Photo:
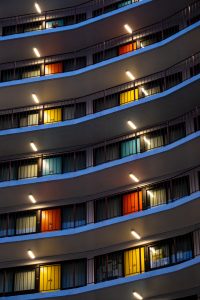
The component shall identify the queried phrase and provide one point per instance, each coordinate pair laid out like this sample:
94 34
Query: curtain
74 274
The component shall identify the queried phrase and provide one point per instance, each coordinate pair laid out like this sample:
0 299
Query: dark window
108 208
177 132
180 187
106 153
73 274
108 266
73 215
106 102
182 249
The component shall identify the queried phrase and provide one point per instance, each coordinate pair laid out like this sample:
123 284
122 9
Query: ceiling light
37 7
35 98
33 146
133 177
130 75
135 234
32 198
147 140
137 296
36 51
31 254
131 124
128 28
144 91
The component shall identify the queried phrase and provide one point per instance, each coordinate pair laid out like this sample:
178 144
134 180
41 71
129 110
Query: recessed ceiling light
137 296
31 254
35 98
135 234
144 92
130 75
133 177
147 140
32 198
131 124
37 7
128 28
33 146
36 51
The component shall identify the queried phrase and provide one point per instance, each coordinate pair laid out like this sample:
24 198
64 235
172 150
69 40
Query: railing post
90 212
90 271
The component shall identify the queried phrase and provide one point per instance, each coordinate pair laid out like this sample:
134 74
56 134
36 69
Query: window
7 225
26 223
54 23
129 96
154 139
182 249
51 166
106 102
52 115
74 161
130 147
106 153
73 216
50 276
107 208
177 132
74 111
159 255
132 202
108 266
157 195
180 187
51 219
134 262
53 68
27 169
24 281
29 119
127 48
74 274
6 281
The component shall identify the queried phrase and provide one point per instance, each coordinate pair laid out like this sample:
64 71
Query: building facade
99 149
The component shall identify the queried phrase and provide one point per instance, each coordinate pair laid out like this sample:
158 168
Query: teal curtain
130 147
52 165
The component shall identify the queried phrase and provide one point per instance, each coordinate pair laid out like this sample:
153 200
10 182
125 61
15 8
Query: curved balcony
53 86
88 119
149 147
103 222
118 269
134 14
78 59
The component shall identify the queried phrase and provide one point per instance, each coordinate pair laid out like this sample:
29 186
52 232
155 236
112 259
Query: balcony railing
133 91
48 164
82 272
67 62
60 17
93 211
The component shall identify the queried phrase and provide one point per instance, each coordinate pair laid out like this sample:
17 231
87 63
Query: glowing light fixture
147 140
128 28
135 234
133 177
35 98
32 198
37 7
33 146
130 75
31 254
137 296
36 51
131 124
144 92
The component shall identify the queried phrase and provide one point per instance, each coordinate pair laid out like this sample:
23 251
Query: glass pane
159 256
52 165
25 224
24 281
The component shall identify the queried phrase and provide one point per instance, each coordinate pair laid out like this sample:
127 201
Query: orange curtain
127 48
51 220
53 68
132 202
